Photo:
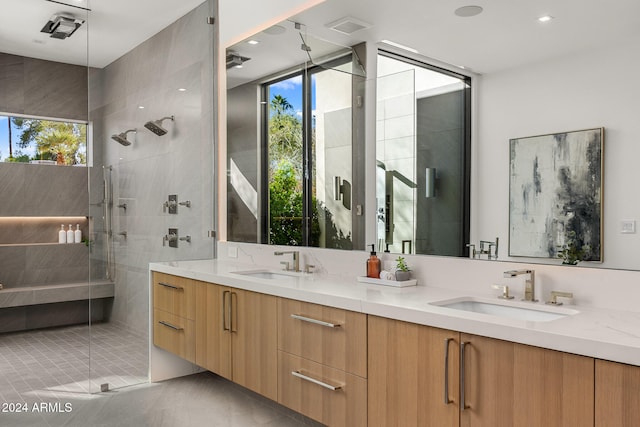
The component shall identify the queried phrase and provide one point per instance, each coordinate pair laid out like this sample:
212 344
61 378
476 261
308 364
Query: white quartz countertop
600 333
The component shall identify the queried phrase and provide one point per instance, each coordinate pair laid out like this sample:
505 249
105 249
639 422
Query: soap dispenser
70 236
62 235
373 264
77 235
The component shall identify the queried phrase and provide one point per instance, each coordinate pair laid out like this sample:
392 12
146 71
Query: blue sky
291 89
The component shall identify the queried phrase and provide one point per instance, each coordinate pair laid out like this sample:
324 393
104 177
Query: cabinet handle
463 403
225 312
169 325
446 370
315 381
233 311
315 321
166 285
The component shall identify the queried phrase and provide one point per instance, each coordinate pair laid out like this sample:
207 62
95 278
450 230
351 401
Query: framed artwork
555 195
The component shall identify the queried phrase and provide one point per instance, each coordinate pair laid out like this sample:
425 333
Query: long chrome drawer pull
315 381
463 400
169 325
446 370
166 285
316 321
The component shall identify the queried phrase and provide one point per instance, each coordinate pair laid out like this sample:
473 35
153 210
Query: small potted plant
402 270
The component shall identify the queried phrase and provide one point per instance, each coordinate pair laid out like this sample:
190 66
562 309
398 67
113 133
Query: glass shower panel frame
395 162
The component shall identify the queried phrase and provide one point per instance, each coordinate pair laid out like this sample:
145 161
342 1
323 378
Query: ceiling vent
61 27
235 60
348 25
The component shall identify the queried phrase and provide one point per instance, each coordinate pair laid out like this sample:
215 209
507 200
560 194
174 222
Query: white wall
587 90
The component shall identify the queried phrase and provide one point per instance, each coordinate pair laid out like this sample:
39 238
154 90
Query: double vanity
353 354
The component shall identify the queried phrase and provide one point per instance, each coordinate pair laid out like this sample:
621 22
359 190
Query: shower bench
35 307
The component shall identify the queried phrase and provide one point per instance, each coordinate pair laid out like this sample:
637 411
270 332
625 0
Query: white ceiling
506 34
115 27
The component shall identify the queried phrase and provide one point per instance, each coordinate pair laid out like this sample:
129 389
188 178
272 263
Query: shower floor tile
74 359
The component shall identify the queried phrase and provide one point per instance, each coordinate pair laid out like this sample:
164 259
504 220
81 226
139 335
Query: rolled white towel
387 275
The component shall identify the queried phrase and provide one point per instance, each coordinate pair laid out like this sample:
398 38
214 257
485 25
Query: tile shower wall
153 167
37 87
32 193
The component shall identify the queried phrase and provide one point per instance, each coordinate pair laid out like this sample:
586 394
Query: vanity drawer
174 295
306 387
174 334
330 336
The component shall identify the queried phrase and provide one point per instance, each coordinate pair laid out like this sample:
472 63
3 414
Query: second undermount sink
268 274
507 309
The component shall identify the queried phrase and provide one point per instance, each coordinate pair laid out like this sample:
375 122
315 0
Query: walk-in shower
155 126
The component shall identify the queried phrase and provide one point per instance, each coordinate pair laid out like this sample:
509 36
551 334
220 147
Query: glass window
32 140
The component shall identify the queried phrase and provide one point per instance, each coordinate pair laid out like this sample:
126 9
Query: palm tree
280 105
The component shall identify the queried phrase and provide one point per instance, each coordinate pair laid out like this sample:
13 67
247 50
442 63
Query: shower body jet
155 126
122 137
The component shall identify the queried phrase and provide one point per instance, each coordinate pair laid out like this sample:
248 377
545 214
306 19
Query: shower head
122 137
155 126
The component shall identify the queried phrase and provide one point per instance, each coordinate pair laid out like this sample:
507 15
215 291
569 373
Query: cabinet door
508 384
213 343
617 395
254 342
407 377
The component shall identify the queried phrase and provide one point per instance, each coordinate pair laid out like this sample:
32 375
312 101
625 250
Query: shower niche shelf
38 231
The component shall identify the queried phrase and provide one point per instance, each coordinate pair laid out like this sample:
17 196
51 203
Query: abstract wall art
555 194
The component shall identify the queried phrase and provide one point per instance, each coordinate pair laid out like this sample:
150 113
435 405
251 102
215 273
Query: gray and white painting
556 191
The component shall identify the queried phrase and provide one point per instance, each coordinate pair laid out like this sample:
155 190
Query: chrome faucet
529 284
296 260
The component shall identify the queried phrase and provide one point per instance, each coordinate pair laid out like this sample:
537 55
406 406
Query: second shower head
155 126
122 137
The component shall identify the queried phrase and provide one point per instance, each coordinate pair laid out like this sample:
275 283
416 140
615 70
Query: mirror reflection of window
307 159
422 154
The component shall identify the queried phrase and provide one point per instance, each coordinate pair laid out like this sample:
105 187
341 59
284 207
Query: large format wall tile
36 87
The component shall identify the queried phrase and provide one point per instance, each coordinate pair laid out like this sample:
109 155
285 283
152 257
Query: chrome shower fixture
155 126
122 137
61 27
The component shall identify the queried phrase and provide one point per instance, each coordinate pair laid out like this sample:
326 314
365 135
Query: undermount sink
267 274
507 309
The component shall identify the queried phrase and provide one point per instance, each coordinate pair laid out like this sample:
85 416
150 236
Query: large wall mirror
527 77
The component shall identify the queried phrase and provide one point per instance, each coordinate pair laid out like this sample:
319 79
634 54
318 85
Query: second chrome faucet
529 284
296 260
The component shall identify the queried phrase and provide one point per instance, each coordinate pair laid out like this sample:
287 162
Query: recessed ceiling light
468 11
254 42
141 107
545 18
401 46
182 89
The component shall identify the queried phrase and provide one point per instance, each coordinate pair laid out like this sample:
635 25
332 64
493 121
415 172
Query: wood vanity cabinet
237 337
174 315
501 383
617 394
322 362
407 376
